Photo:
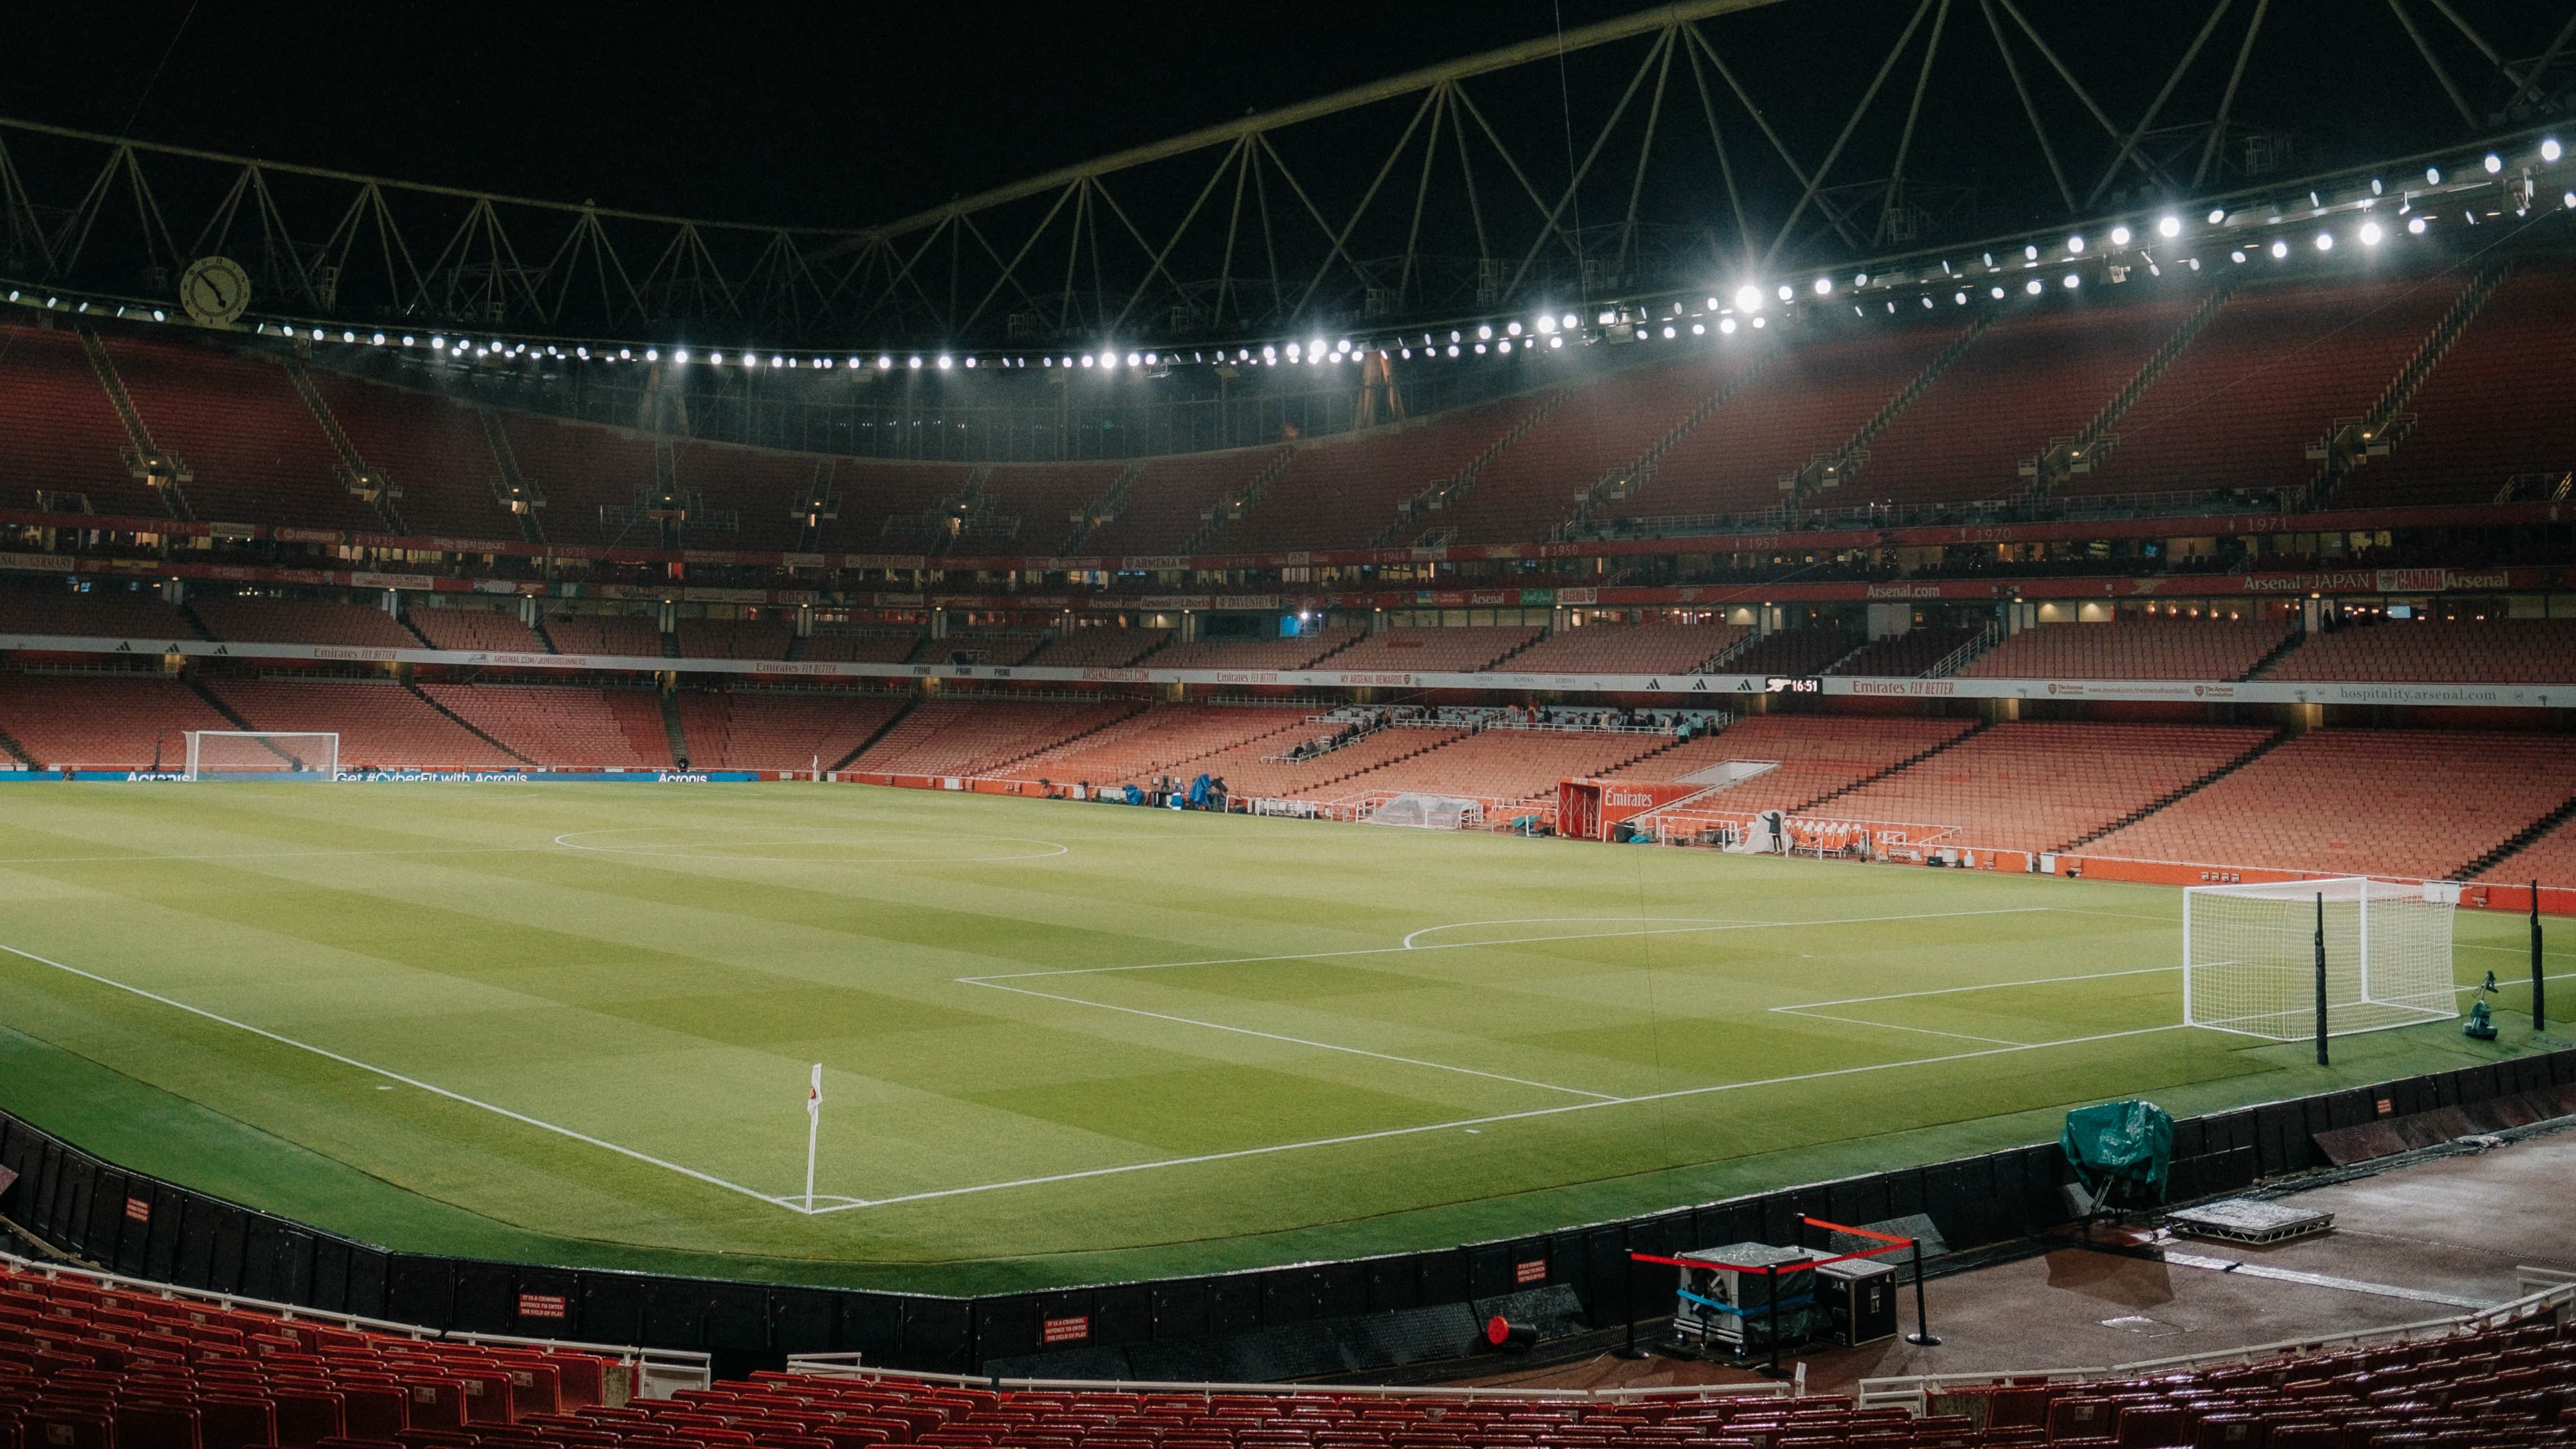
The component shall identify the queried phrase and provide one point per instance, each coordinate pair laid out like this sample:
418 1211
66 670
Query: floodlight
1824 286
1131 359
1998 293
2075 246
1699 329
1503 346
915 363
680 356
1960 298
1453 349
946 363
2280 249
2494 163
1485 332
654 354
1568 322
1712 304
1668 332
2031 286
1761 321
2237 256
1726 325
2217 214
2030 253
2072 281
2378 187
1559 341
2370 233
1787 291
2119 236
1748 298
2432 175
2325 241
2169 227
1514 329
2549 148
1547 324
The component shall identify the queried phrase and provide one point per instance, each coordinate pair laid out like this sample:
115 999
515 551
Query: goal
262 755
2250 956
1428 812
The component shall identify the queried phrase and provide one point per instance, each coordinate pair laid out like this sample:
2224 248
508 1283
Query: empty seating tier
1435 651
981 737
99 722
484 629
736 638
256 452
60 432
1506 764
2027 380
108 610
564 727
2463 651
1813 756
2127 649
1906 654
630 635
1167 739
1792 652
381 724
2268 374
740 730
1530 487
1342 492
433 448
297 621
1302 651
1628 649
862 646
2043 786
2491 420
2422 804
1098 648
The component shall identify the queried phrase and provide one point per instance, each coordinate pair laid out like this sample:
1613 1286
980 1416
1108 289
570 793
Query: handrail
1914 1391
682 1368
848 1366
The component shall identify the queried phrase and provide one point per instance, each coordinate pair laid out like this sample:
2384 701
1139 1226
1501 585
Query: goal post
263 755
2250 956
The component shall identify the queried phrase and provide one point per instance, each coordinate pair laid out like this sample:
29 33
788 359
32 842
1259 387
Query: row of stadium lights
1548 331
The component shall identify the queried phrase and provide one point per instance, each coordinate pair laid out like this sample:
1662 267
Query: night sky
850 114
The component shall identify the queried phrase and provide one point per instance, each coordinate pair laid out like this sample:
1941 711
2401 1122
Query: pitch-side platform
2249 1220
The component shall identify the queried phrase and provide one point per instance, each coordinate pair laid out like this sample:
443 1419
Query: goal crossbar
263 754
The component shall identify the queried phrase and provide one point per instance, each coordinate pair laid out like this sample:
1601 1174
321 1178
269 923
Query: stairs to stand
162 472
1908 762
2193 788
467 725
671 726
2505 849
373 488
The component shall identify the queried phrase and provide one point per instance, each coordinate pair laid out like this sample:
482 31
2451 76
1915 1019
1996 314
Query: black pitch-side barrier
1273 1323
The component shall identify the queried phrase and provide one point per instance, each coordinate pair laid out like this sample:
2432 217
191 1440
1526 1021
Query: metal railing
2549 1292
848 1366
665 1370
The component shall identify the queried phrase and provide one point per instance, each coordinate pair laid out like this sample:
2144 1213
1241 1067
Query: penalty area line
392 1076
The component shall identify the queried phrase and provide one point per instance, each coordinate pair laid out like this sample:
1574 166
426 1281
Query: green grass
1576 1031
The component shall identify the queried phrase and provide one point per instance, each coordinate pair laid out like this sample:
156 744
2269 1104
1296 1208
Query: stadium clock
215 291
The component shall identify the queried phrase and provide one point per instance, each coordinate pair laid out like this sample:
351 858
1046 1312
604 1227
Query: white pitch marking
1892 1026
1488 1121
1987 986
272 854
394 1076
1693 921
1295 1040
1507 941
568 841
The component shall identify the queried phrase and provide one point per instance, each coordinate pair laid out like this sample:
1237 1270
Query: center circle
808 844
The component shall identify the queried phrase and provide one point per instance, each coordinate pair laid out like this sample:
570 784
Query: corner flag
813 1129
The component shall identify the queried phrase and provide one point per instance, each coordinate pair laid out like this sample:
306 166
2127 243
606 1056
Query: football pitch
1060 1043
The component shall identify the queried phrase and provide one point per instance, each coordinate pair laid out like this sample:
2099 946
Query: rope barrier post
1771 1278
1922 1336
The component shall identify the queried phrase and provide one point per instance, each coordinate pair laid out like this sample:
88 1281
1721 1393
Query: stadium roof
1685 147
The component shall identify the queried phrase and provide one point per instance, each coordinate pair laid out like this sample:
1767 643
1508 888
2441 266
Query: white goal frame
270 755
2249 956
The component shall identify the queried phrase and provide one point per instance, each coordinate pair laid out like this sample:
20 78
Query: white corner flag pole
813 1129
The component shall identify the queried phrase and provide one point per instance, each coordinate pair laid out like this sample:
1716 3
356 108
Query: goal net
1429 812
2250 956
262 755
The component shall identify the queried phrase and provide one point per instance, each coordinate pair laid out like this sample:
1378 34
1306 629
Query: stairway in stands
2066 457
1233 509
164 473
880 732
2289 645
375 489
1907 763
465 724
2504 849
679 735
1102 508
1410 511
513 492
1628 482
2355 441
2194 787
997 766
1830 470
